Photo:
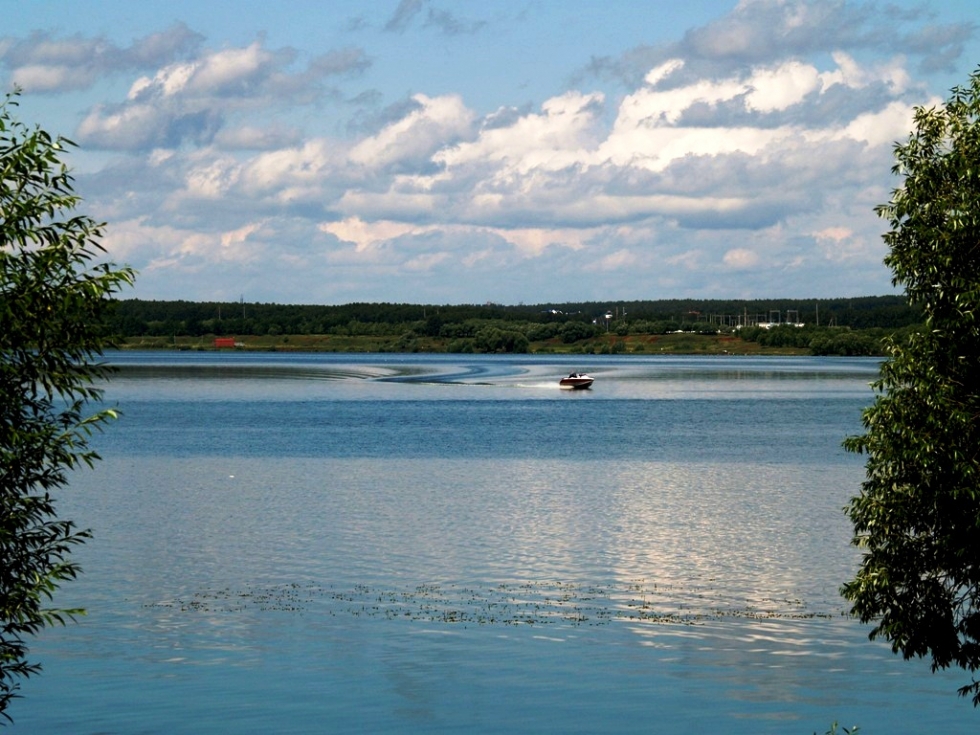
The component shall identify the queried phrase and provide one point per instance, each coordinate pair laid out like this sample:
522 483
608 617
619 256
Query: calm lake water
403 544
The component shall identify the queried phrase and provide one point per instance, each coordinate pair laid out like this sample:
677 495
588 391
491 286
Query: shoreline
610 344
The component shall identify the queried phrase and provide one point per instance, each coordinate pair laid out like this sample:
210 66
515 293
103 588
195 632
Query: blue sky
517 151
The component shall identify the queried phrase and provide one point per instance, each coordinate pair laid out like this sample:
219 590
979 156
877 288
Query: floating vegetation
520 603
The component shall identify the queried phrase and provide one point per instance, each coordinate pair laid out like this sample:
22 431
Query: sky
514 151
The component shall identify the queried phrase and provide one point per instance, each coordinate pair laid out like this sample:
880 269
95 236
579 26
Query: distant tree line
833 326
842 341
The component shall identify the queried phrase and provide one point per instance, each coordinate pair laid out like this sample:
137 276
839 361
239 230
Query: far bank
668 344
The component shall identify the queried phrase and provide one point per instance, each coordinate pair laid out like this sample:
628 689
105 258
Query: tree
917 517
55 293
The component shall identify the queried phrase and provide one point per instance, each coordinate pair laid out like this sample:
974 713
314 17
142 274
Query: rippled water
326 543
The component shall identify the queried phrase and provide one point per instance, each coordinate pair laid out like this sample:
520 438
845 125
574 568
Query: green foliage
575 331
844 342
918 514
839 341
492 339
784 335
137 318
53 307
542 332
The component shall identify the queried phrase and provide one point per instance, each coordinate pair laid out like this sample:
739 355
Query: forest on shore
842 326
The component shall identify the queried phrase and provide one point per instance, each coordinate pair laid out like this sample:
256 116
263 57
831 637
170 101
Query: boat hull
578 382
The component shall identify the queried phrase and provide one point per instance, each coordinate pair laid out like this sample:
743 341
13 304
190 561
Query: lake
333 543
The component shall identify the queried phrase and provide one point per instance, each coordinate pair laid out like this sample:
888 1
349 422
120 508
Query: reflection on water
354 377
273 551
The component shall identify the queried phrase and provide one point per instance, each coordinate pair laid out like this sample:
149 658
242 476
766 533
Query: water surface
392 543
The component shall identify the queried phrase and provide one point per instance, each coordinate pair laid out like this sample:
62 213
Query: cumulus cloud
739 258
190 100
552 139
756 32
670 152
746 155
141 126
227 72
413 140
559 182
43 63
838 244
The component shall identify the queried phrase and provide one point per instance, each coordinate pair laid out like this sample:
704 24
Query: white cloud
229 69
741 258
134 126
302 166
212 180
37 77
534 241
527 242
216 73
424 262
240 235
167 82
193 100
559 170
781 87
553 139
663 71
365 235
43 63
618 261
438 121
754 145
838 244
880 127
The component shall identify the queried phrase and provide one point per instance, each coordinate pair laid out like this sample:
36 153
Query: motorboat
576 381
